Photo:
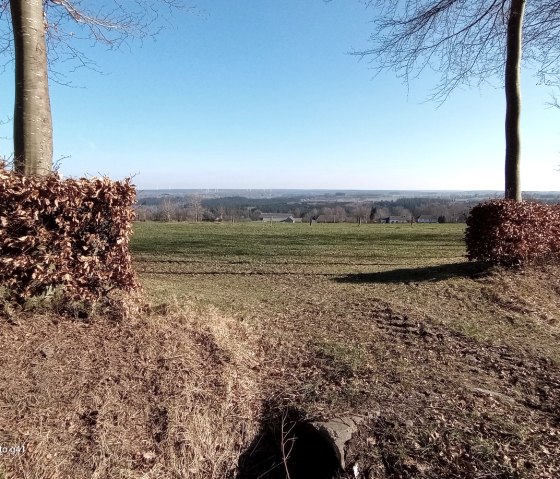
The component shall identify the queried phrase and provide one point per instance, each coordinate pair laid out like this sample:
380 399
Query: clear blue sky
261 94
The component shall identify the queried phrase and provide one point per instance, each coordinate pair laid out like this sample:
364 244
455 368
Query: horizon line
434 190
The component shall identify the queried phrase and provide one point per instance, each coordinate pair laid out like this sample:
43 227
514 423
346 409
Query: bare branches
6 36
464 40
287 442
554 102
470 41
74 25
110 24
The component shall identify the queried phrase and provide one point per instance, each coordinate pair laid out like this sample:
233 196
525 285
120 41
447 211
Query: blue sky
262 94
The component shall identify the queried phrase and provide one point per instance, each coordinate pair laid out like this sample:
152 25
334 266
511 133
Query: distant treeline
325 210
268 205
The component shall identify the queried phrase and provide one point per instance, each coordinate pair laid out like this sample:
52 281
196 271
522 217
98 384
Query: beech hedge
58 232
511 233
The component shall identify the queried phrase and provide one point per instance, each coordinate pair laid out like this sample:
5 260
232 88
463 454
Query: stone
337 432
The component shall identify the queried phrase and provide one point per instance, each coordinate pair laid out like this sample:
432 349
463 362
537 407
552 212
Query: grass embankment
456 368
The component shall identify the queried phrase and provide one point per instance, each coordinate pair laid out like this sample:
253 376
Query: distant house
279 218
427 219
395 219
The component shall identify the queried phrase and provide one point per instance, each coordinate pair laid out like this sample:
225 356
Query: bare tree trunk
33 146
513 99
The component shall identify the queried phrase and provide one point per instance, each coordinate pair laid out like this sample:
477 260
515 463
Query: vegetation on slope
455 367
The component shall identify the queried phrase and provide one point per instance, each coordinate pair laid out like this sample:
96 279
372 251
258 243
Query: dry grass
455 368
172 391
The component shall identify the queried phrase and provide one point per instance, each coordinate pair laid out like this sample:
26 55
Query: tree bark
513 99
33 145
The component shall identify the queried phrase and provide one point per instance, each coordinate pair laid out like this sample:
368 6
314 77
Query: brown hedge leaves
72 233
507 232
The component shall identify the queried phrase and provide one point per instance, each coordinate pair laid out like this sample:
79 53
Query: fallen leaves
65 232
511 233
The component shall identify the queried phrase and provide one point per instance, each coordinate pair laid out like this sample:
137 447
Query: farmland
210 262
254 268
387 320
241 331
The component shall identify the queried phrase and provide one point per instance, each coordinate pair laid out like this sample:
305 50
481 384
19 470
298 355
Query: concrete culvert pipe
290 447
311 454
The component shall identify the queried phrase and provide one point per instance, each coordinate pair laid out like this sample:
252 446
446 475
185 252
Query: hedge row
65 232
508 232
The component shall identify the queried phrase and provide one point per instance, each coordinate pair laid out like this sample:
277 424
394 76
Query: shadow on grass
285 448
231 273
419 275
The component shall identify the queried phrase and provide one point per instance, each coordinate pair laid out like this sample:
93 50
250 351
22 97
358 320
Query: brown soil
465 409
455 371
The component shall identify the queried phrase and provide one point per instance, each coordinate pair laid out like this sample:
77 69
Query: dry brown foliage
65 232
508 232
171 392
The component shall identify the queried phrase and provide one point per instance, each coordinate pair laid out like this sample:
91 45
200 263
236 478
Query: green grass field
241 267
231 264
242 329
301 243
361 318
